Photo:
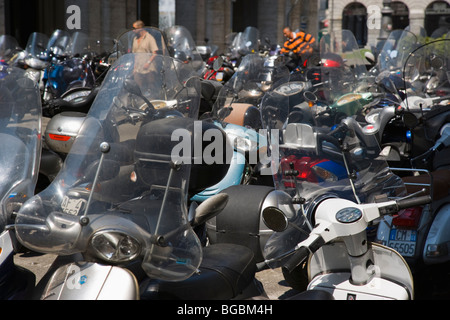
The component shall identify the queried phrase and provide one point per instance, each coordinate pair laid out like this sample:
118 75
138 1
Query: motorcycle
321 225
21 146
119 208
425 119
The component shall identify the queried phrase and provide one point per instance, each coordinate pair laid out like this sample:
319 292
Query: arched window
354 18
400 15
437 18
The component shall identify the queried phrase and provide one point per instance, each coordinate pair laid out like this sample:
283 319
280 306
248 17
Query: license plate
72 206
403 241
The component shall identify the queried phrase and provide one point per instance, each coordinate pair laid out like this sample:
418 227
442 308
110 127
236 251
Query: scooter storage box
62 130
241 220
154 146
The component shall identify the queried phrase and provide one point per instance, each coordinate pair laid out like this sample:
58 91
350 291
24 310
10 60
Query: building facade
211 20
371 20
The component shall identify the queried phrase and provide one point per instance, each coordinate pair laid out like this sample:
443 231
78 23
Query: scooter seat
226 270
441 183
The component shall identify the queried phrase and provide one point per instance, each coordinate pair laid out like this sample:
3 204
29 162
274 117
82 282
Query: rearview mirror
275 219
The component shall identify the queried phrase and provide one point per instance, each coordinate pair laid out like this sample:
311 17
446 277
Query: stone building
206 19
212 20
371 19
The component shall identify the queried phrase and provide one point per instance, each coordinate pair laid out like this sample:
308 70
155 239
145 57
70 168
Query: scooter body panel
340 286
91 281
233 178
329 269
439 236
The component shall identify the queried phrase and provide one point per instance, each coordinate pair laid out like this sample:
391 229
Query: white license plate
403 241
72 206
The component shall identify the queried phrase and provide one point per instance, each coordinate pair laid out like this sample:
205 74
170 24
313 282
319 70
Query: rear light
59 137
330 63
408 218
309 169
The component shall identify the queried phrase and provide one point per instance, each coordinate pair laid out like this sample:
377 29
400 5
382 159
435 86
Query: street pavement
273 281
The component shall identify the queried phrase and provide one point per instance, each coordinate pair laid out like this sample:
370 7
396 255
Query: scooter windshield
394 48
20 133
121 195
8 48
36 55
180 40
246 42
82 45
147 39
325 157
426 71
248 84
58 44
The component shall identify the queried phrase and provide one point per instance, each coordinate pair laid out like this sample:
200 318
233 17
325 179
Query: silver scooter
117 215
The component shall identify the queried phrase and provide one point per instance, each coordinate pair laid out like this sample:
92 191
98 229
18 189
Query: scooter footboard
91 281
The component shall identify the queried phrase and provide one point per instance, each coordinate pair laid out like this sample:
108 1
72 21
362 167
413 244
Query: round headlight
115 246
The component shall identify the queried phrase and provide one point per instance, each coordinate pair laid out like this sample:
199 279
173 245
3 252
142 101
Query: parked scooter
68 113
325 223
419 234
317 168
34 58
67 69
121 201
20 154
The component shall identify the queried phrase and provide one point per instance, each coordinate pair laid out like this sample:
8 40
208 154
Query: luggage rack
417 172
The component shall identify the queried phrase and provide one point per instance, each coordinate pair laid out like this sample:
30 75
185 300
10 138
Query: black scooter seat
226 270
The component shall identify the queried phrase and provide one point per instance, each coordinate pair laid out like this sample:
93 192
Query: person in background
299 45
143 42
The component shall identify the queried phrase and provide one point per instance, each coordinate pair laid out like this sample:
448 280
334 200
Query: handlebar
413 202
333 229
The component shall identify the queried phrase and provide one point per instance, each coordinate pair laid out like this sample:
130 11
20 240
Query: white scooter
342 263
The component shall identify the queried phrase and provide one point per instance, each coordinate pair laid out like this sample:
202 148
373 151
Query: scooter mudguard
437 245
232 178
91 281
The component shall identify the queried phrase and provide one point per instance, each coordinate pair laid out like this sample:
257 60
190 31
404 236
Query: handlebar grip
297 258
413 202
303 253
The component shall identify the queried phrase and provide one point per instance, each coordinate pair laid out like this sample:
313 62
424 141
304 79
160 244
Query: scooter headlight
115 246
